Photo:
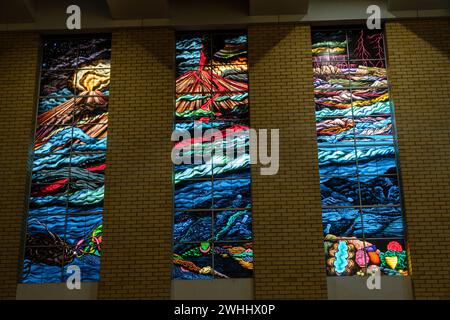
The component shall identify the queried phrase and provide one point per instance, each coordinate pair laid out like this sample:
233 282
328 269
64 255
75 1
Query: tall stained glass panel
65 207
212 232
362 213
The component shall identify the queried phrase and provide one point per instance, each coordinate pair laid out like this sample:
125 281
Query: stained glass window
362 214
64 217
212 232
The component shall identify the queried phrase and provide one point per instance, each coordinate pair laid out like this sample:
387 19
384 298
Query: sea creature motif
374 257
391 261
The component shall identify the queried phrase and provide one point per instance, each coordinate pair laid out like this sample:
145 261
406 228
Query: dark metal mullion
363 206
349 87
69 167
356 151
214 209
70 161
330 146
208 179
385 239
363 175
212 242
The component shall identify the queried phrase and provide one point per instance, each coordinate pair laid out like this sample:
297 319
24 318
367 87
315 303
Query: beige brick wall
419 72
287 222
136 261
18 73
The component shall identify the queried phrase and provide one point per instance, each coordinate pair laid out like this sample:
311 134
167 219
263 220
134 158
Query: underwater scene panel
362 215
65 207
212 229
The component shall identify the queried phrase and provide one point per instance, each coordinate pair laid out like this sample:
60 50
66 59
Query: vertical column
419 68
18 67
138 196
287 222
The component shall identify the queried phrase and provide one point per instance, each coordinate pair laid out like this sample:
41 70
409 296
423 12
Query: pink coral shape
361 258
394 246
